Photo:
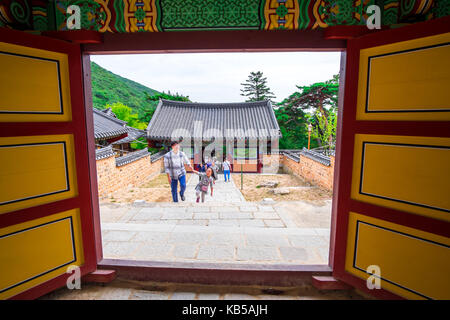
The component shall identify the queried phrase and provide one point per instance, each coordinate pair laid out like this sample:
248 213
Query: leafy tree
168 96
255 88
125 113
316 104
325 130
293 128
147 114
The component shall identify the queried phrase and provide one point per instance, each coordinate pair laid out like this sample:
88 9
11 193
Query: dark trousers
174 187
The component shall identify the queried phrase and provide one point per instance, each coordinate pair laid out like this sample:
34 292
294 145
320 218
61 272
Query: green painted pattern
40 22
303 19
441 8
119 23
390 15
210 14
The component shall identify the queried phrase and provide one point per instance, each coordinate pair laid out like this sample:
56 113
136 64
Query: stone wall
111 177
311 170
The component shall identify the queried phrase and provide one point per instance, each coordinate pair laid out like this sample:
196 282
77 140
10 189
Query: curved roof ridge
216 104
109 117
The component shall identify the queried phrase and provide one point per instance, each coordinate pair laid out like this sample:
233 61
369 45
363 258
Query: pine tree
255 88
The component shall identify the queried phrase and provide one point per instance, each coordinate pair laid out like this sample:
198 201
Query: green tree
255 88
125 113
325 130
293 128
168 96
146 115
316 104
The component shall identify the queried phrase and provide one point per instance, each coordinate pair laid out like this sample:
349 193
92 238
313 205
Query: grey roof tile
131 157
106 127
104 153
133 134
156 156
231 120
316 156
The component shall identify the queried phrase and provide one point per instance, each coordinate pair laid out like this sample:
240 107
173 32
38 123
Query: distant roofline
217 104
103 114
244 108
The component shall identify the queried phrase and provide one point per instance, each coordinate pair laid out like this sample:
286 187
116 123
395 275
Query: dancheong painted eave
240 120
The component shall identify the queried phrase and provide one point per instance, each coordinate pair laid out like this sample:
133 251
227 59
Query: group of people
174 164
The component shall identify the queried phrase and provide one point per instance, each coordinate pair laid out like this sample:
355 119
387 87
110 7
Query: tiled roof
106 127
234 120
104 153
109 112
133 134
316 156
292 154
132 156
156 156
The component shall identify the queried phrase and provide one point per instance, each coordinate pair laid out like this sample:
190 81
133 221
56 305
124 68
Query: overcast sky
216 77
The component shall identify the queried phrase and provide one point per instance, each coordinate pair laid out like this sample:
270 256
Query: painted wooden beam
76 36
214 41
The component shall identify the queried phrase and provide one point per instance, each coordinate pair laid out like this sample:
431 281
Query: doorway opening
275 209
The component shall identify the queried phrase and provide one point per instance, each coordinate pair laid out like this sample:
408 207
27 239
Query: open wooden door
392 184
46 216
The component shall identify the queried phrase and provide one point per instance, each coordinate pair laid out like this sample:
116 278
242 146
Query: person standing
226 169
174 162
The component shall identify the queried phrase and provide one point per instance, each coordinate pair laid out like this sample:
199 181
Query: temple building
249 130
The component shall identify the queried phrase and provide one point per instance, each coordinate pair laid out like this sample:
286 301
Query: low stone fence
133 169
313 167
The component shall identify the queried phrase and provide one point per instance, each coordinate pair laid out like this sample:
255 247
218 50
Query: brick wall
111 178
311 170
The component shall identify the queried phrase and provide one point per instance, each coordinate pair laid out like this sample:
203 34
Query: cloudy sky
216 77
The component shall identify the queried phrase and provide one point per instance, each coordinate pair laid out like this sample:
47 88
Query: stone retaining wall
311 170
111 177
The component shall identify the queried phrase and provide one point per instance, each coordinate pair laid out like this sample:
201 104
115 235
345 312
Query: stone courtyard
225 229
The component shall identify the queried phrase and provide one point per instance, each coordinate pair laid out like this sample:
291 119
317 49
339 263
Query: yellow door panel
413 264
404 173
34 85
39 250
36 170
406 80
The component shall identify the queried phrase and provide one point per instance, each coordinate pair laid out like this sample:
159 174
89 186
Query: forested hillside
109 88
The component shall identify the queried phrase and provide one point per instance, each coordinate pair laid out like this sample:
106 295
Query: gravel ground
305 191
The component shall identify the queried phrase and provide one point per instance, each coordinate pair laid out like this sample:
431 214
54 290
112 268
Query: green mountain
108 88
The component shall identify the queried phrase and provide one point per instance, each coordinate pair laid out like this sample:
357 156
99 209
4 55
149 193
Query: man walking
174 162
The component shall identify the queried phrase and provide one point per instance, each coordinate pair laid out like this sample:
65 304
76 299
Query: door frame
205 42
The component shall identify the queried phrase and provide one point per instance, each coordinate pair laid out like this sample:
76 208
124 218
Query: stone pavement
225 229
223 191
123 290
211 232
